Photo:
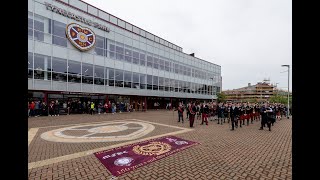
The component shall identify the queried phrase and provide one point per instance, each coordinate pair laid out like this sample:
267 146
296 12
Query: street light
288 66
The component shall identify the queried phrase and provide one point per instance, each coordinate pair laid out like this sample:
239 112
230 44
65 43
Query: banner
130 157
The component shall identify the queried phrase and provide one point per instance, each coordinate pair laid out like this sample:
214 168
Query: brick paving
246 153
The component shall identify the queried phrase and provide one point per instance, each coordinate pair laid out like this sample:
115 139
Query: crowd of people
238 114
38 108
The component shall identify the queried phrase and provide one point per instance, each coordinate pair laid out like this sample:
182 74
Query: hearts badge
81 37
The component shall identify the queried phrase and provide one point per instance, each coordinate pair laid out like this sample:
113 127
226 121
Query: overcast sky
250 39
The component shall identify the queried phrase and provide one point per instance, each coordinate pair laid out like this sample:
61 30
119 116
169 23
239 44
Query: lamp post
288 66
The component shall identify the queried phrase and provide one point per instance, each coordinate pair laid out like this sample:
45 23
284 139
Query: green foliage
221 97
279 99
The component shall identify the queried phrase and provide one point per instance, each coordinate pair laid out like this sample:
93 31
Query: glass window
74 67
87 79
120 52
128 55
127 79
167 68
155 82
161 83
142 81
156 62
99 71
176 86
59 65
127 76
30 65
42 62
98 75
176 68
99 42
161 64
98 51
142 59
111 77
135 80
58 28
166 84
149 82
59 41
87 69
74 71
118 78
172 81
149 60
135 57
44 75
39 23
135 77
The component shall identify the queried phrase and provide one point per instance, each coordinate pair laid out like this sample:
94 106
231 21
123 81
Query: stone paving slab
246 153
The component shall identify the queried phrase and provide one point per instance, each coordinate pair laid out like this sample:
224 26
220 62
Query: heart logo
81 37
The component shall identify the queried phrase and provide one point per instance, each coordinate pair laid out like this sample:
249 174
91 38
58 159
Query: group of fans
239 114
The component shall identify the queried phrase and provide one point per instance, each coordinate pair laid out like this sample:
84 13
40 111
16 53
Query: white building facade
125 60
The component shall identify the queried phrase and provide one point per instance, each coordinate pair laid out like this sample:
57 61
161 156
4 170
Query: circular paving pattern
103 132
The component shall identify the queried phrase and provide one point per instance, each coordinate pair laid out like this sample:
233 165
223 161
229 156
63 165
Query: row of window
57 69
116 50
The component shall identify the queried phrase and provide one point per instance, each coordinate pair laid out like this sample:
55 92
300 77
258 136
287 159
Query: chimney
192 54
249 84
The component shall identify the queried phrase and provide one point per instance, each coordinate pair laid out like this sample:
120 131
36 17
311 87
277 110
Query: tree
221 97
278 99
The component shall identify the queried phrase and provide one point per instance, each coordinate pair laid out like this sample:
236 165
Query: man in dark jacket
205 112
180 112
234 111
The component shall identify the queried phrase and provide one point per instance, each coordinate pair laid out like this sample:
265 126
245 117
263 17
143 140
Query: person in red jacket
32 106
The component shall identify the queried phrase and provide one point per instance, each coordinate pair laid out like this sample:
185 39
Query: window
128 55
87 69
74 71
149 82
118 78
135 80
167 67
172 84
120 52
161 83
127 79
149 61
143 81
30 25
155 62
142 59
42 67
176 68
166 84
155 83
98 75
161 64
87 73
59 31
111 77
59 69
135 57
112 49
99 45
39 27
176 86
30 65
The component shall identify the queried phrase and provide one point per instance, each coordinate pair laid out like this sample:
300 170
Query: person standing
91 108
56 108
233 115
180 112
192 109
100 108
51 108
205 112
264 117
37 108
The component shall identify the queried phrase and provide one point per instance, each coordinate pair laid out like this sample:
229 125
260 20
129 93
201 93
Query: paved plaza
62 147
